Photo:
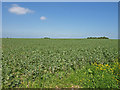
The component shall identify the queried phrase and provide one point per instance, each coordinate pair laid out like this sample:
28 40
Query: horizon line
59 0
44 38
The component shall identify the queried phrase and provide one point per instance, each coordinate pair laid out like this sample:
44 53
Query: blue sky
60 19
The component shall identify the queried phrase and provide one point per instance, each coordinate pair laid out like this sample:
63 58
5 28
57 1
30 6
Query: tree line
97 38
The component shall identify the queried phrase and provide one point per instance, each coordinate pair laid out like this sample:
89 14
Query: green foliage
46 38
37 63
97 38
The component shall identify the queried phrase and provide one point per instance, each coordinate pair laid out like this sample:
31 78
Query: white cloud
43 18
19 10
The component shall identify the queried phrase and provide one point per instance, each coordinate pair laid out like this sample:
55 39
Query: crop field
60 63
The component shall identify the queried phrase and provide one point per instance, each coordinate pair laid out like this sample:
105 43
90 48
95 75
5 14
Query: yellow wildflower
106 65
95 63
101 69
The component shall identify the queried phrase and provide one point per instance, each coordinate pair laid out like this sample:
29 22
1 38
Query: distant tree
88 37
46 38
97 37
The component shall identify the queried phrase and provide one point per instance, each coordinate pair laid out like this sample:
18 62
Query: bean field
60 63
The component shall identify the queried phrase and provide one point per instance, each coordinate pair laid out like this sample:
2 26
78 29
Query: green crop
60 63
